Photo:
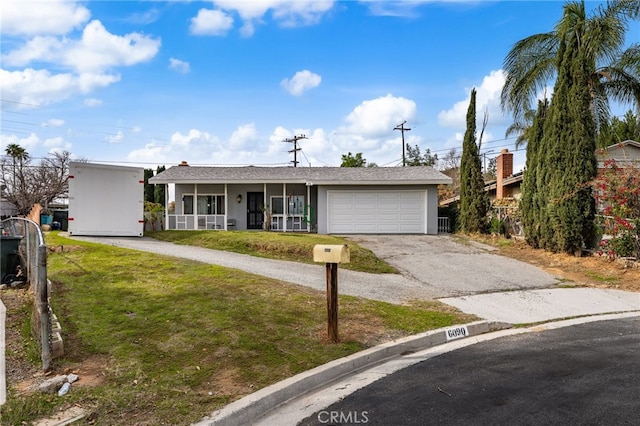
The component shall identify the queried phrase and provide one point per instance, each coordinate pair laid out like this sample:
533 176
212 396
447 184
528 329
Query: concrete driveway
431 267
471 277
450 268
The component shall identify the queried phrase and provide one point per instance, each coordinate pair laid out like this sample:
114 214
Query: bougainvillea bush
617 192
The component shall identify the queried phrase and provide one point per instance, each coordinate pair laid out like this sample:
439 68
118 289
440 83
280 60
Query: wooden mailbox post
331 255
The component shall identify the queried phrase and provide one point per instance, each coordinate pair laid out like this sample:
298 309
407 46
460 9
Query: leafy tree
619 130
473 199
413 157
349 160
613 73
450 166
149 189
522 128
159 191
24 184
617 190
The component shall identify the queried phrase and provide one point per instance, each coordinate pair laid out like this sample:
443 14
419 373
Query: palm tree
522 129
17 153
531 65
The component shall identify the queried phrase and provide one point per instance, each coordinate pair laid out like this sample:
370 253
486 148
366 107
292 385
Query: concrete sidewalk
531 306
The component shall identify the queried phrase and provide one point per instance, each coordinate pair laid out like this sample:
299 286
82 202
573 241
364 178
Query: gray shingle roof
314 175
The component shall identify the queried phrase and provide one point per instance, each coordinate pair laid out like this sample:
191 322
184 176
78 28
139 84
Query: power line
295 149
402 129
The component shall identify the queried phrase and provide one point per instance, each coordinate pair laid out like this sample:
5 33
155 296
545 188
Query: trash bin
9 260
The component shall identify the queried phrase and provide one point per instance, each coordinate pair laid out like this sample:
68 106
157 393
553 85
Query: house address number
457 332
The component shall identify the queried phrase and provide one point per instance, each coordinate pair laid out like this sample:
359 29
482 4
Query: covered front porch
278 207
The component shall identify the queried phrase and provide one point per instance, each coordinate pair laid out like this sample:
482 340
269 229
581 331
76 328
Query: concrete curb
257 404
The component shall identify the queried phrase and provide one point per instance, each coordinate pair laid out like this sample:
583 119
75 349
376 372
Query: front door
255 216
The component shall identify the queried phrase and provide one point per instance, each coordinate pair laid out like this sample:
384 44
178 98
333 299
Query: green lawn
179 339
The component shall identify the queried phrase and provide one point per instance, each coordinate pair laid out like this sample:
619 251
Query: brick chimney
505 169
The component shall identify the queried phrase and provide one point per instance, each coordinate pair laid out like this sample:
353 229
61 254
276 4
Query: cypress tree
148 188
530 203
473 199
569 144
159 190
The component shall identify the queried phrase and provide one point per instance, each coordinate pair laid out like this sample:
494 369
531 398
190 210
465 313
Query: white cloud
378 117
369 129
53 122
30 143
40 87
88 59
98 50
196 147
180 66
301 82
92 102
242 136
211 22
286 13
57 144
24 17
315 148
487 98
116 138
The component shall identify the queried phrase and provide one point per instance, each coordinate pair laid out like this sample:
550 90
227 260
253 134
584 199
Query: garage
377 212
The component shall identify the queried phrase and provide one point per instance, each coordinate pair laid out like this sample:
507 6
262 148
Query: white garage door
377 212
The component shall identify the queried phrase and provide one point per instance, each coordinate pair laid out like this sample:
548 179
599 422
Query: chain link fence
32 269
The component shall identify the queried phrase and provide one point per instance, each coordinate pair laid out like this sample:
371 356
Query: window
295 205
210 204
187 204
207 204
276 205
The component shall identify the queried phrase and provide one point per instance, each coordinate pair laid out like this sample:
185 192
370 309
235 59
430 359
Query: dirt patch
587 271
23 372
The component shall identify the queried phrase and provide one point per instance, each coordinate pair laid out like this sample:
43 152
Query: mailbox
331 253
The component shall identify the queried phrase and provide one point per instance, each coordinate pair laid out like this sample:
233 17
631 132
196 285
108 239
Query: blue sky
225 82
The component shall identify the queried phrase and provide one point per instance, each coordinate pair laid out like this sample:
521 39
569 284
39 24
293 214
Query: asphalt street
584 374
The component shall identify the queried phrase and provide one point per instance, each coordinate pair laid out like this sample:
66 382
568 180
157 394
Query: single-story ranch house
327 200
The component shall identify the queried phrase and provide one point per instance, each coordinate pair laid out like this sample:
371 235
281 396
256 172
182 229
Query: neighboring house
7 208
625 153
507 184
327 200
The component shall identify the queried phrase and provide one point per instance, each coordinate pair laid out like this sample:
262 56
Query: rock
64 389
53 384
72 377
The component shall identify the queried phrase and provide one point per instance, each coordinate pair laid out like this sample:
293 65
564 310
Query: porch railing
443 224
195 222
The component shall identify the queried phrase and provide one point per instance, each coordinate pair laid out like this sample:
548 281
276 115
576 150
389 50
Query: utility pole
295 149
402 129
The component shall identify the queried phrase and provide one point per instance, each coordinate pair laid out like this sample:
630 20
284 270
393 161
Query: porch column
166 207
195 207
308 206
265 226
226 206
285 205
